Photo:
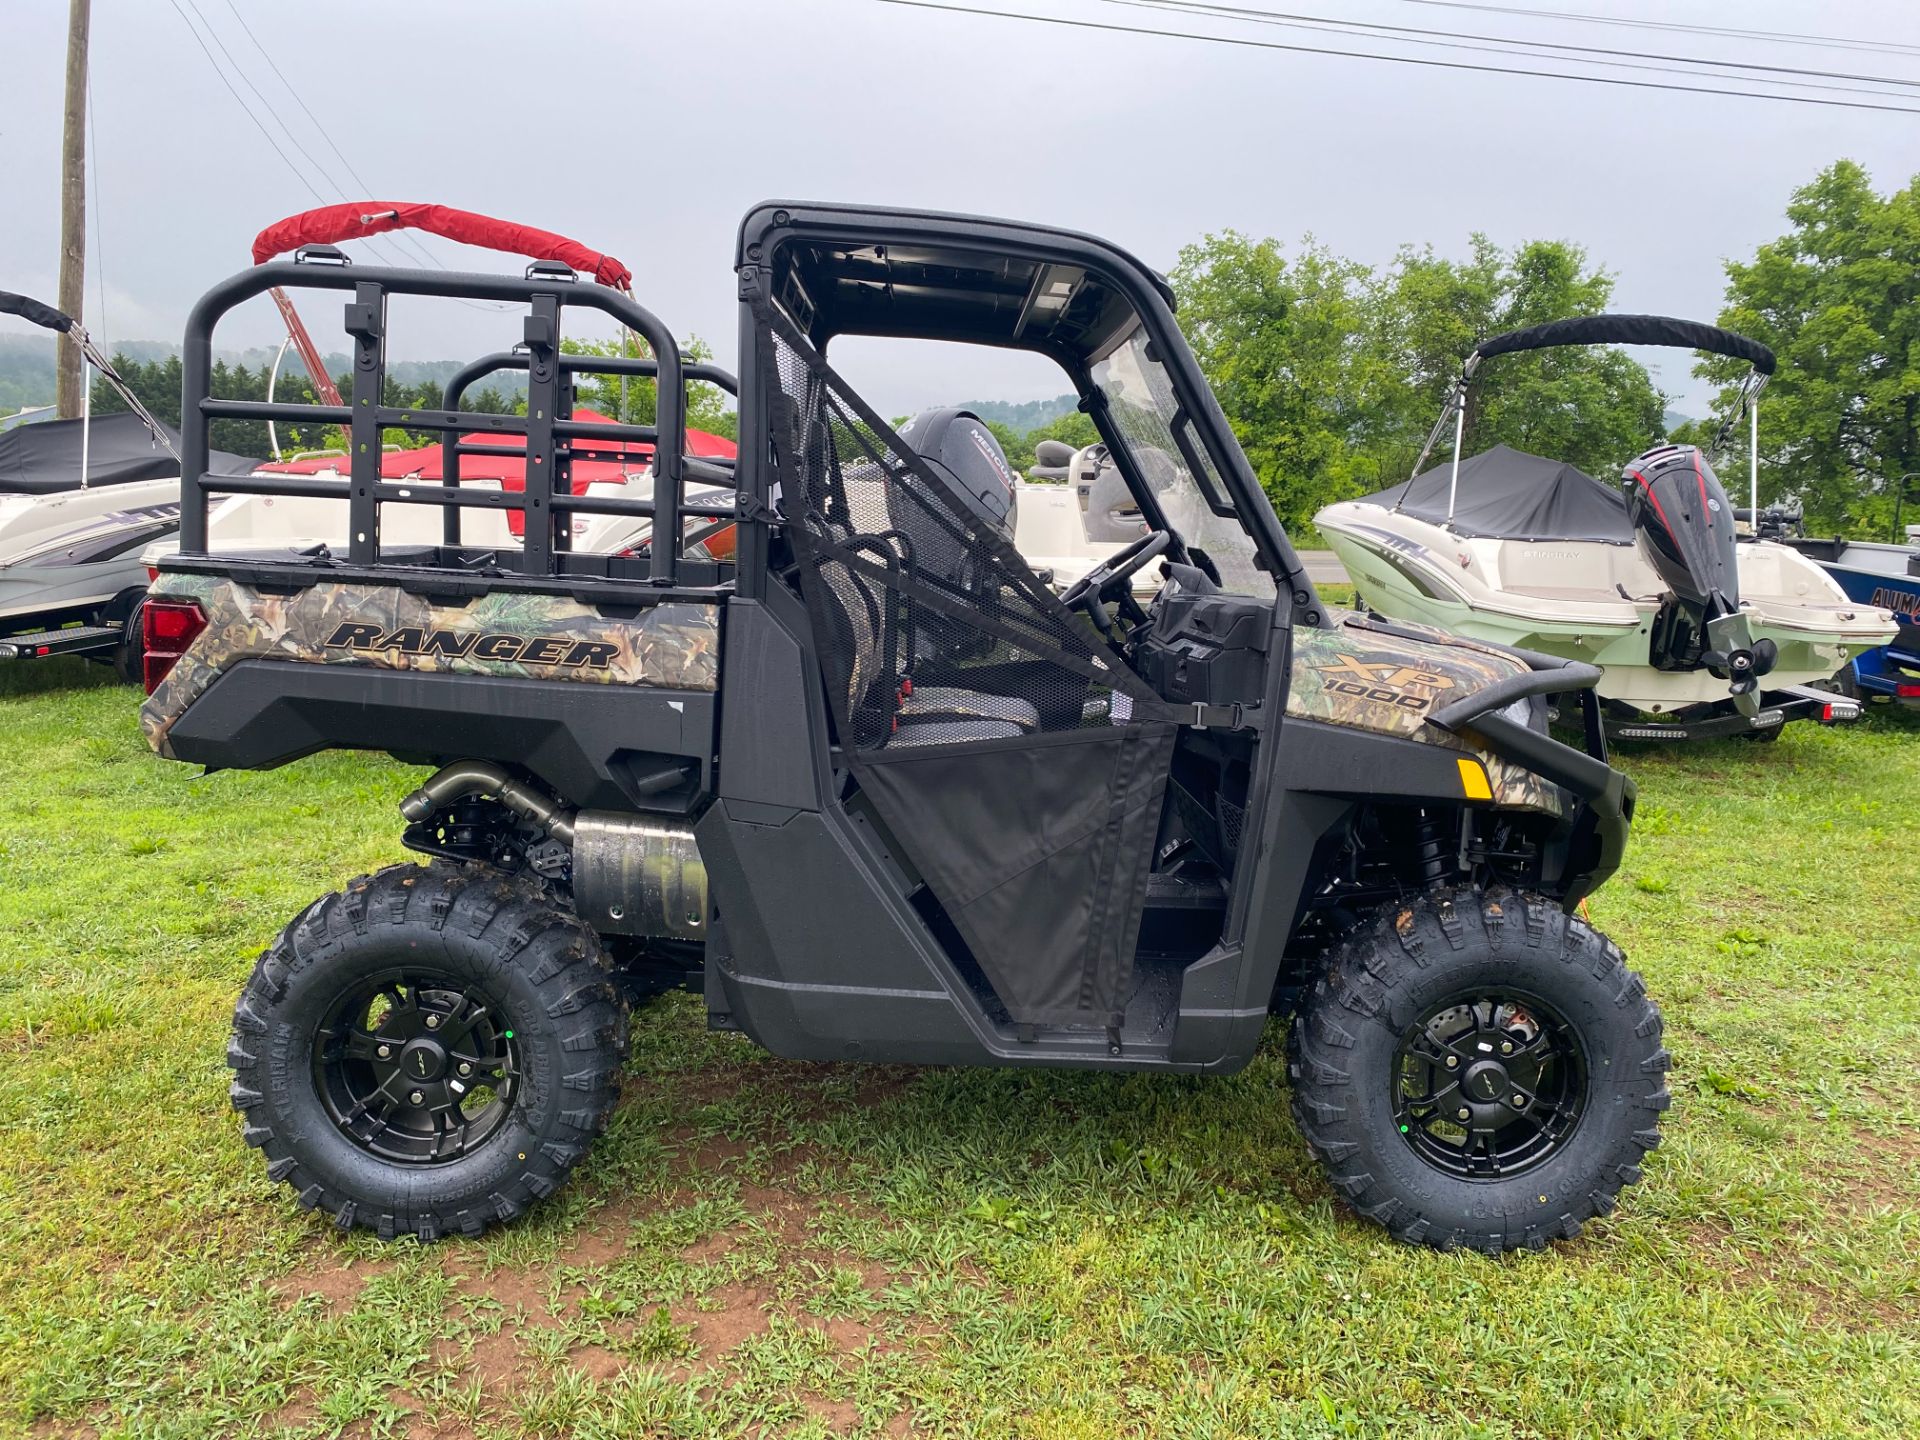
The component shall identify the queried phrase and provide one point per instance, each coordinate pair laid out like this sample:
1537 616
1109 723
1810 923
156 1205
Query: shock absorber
1430 848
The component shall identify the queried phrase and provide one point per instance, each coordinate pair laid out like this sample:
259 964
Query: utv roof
850 269
1507 494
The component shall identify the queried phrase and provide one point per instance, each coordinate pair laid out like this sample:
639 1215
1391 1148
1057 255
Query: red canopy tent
428 463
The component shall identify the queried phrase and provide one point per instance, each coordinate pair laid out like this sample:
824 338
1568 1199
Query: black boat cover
1507 494
44 459
1631 330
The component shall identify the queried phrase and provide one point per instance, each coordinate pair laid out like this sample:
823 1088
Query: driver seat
882 701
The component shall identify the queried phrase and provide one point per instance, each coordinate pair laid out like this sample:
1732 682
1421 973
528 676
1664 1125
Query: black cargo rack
706 469
553 438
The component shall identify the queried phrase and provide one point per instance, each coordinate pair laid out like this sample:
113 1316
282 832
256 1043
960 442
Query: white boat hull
1593 601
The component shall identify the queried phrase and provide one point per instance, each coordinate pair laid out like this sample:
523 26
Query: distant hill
26 372
26 367
1025 416
1673 420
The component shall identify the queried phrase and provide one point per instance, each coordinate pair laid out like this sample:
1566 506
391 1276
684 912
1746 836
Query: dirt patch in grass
513 1289
735 1312
596 1362
339 1286
298 1413
848 1335
1748 1269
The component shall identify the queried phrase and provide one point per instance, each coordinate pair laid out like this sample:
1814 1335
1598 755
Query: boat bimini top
35 312
1662 330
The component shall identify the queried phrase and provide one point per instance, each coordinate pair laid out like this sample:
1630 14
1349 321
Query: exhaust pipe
632 874
482 777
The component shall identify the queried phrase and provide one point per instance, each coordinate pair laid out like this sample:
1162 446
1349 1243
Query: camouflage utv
877 793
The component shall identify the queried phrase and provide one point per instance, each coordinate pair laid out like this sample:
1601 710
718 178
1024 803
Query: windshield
1145 412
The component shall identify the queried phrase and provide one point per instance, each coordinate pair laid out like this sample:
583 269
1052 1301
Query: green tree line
1332 371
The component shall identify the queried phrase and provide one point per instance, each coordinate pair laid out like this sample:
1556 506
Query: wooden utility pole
71 371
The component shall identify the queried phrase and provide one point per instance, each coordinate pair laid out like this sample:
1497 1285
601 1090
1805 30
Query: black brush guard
1598 838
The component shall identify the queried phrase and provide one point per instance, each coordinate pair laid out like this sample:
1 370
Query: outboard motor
1683 525
961 450
963 455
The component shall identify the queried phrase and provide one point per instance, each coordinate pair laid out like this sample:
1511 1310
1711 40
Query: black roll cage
773 225
552 438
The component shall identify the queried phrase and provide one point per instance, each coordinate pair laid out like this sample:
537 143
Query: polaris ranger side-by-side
873 789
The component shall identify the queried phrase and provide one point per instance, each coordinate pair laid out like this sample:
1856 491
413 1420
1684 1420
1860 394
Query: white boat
1698 631
79 499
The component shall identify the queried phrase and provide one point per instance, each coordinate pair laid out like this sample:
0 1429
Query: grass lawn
760 1247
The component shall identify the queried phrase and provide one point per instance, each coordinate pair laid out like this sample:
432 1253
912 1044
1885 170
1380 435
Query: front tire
429 1051
1478 1069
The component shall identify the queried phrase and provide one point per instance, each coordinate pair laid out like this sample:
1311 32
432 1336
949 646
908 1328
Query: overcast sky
646 129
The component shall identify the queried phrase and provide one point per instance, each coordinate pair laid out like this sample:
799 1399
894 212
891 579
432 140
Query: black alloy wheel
1478 1068
429 1051
1489 1084
416 1066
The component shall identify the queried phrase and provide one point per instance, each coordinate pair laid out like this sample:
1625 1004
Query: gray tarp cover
1508 494
44 459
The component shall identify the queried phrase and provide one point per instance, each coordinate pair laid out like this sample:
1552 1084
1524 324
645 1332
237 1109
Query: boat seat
952 732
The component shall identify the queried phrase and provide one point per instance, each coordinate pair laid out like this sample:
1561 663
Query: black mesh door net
1014 756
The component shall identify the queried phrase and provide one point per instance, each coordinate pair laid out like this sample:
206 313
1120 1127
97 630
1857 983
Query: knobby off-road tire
1348 1056
462 941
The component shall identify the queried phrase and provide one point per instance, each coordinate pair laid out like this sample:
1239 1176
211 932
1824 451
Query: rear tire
1358 1046
442 972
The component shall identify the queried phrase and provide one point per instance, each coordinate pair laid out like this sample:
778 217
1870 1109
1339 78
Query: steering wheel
1084 593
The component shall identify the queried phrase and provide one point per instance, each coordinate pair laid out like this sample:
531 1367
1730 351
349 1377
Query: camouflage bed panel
673 646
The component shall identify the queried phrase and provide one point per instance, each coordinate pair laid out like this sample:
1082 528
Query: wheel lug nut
1506 1047
466 1069
417 1098
1519 1102
1453 1062
385 1052
433 1022
1465 1114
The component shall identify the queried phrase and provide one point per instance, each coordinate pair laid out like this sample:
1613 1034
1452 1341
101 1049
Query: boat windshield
1160 437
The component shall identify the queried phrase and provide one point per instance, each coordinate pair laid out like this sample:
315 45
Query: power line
1770 37
1496 43
380 250
365 189
265 133
1400 59
278 119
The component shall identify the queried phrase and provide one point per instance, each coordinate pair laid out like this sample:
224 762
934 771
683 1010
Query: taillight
167 629
1907 692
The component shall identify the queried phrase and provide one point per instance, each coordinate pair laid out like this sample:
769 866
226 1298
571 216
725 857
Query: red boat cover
370 217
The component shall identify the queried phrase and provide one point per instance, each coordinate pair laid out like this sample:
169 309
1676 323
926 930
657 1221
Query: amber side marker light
167 629
1473 780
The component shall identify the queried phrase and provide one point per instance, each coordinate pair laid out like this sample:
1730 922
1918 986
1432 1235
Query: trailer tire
1360 1040
129 655
514 981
